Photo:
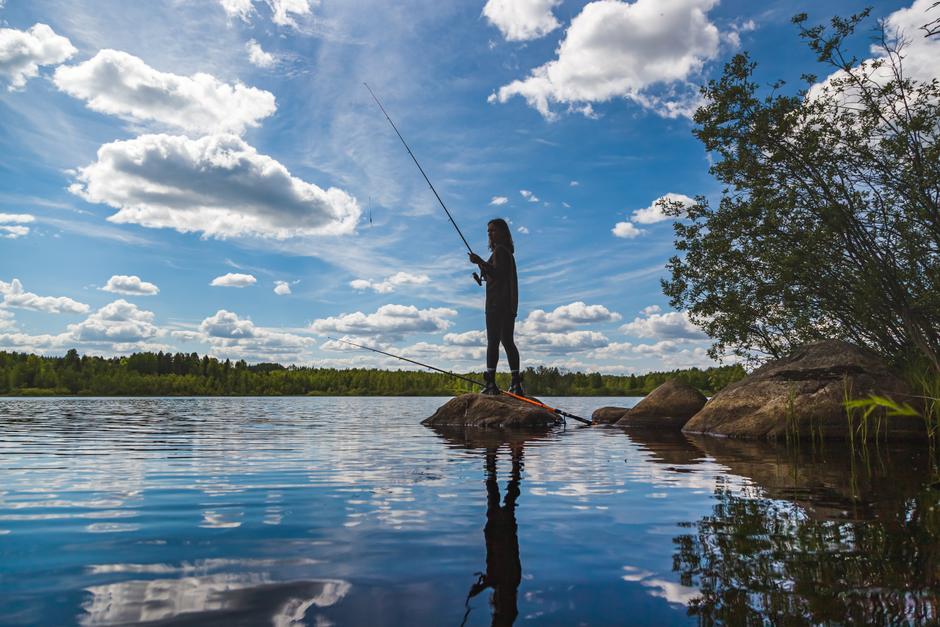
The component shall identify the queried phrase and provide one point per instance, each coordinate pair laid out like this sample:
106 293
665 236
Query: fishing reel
479 278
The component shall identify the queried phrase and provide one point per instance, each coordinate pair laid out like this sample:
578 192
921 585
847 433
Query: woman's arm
498 267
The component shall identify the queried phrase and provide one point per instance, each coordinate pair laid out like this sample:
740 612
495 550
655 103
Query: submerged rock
500 412
667 407
608 415
803 394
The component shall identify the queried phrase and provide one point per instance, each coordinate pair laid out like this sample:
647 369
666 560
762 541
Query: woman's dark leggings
499 329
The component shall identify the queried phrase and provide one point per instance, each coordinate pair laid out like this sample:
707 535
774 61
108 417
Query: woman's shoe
491 388
516 386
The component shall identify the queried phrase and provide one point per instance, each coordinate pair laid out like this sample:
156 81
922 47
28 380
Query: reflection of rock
245 598
478 410
825 481
803 393
667 407
608 415
667 447
489 439
823 541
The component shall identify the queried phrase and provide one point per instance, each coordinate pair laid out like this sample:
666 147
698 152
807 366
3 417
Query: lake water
346 511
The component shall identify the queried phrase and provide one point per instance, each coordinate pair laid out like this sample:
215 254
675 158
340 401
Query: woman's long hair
503 235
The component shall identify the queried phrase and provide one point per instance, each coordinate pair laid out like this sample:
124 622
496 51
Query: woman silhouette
503 567
502 304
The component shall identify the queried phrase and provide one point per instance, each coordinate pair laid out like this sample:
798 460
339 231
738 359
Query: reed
879 409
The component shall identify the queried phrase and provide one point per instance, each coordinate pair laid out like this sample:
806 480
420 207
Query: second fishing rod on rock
525 399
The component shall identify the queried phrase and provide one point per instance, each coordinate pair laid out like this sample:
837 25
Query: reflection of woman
502 303
503 568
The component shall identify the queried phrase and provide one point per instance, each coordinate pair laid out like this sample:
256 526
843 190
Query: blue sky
166 166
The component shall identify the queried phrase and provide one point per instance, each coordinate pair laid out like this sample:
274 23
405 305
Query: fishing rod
468 380
436 195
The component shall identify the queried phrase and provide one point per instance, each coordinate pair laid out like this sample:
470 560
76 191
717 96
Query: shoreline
2 396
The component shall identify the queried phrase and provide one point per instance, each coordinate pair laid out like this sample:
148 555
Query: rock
804 394
608 415
667 407
500 412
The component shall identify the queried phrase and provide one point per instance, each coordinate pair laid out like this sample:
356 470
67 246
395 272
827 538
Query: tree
933 28
829 224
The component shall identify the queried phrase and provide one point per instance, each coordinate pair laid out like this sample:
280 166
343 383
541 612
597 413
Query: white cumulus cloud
673 325
12 224
119 327
668 354
241 9
13 231
118 321
654 213
226 324
566 317
467 338
438 353
645 51
217 185
521 20
131 285
6 320
257 55
571 340
921 55
14 295
523 230
282 11
626 230
231 335
499 200
389 284
388 321
118 83
528 195
281 288
233 279
22 52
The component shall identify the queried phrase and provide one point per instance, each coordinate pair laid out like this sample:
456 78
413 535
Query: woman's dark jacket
502 285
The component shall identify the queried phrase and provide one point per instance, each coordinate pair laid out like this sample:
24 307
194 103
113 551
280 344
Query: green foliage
829 223
181 374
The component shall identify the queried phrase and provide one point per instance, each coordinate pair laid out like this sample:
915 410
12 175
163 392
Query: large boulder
802 395
608 415
499 412
667 407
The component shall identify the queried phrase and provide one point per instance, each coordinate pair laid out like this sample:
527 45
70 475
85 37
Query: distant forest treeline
181 374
